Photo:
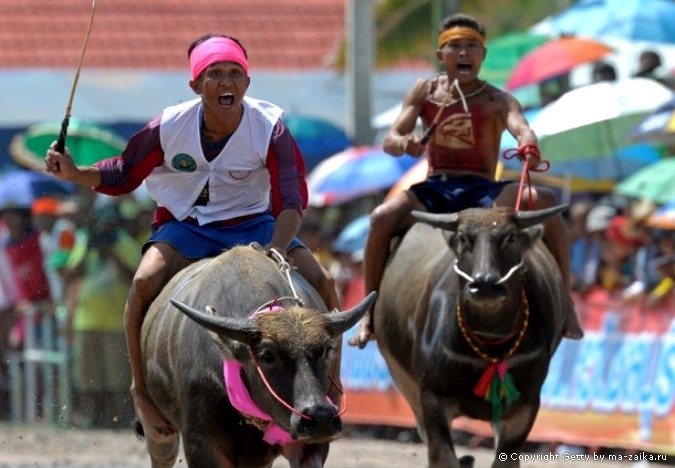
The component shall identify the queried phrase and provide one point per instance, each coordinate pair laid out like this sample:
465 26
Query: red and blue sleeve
123 174
287 172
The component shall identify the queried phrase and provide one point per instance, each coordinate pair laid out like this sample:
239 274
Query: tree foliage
405 29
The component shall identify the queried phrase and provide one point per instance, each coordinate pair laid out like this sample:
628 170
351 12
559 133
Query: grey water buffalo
468 318
243 368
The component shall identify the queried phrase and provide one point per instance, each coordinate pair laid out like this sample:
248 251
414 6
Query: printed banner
613 388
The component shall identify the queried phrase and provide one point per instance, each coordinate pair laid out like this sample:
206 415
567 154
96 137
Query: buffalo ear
340 322
531 235
243 330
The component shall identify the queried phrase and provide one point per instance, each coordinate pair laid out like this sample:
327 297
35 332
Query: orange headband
460 33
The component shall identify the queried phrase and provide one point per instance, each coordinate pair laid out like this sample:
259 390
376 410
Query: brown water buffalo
275 340
468 318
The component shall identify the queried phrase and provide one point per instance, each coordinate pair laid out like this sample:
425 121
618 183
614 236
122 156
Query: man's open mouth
464 68
226 99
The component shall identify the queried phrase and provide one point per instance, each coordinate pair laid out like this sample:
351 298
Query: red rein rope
521 154
274 394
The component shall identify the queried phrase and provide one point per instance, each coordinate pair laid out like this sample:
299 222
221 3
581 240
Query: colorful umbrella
554 58
353 173
416 174
592 123
353 237
18 188
658 126
655 183
87 142
504 53
664 217
317 138
597 174
603 170
634 20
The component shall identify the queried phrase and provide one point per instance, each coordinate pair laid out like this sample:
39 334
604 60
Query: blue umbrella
19 188
317 138
354 173
634 20
353 237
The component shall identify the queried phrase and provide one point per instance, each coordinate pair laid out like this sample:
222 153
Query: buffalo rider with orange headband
224 170
463 119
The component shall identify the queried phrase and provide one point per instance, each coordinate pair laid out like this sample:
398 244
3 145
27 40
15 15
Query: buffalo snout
318 423
486 286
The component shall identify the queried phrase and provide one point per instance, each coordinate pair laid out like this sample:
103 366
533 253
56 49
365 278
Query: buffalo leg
306 455
163 453
467 461
512 433
440 449
201 453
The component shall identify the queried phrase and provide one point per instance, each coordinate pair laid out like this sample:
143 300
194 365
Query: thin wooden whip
61 142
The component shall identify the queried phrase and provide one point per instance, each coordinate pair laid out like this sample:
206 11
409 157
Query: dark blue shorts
195 242
441 194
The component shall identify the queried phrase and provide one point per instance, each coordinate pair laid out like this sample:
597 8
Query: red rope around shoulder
521 154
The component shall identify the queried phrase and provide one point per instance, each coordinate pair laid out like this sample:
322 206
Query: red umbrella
555 58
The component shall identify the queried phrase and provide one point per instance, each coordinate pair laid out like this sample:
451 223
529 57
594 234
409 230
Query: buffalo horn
447 221
526 219
243 330
343 321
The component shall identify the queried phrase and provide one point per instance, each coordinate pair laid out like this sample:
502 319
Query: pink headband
214 50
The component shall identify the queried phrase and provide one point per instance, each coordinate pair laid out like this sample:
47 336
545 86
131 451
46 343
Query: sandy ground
43 447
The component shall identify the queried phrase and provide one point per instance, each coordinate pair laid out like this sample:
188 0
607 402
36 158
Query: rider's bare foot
155 425
365 332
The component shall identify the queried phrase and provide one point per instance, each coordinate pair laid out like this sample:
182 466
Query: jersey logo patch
184 162
456 132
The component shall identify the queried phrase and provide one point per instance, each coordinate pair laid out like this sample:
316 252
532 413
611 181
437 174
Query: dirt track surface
43 447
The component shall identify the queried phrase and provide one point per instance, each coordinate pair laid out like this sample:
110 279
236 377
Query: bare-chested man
464 119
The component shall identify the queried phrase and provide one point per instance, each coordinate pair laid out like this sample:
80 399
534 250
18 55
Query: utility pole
360 54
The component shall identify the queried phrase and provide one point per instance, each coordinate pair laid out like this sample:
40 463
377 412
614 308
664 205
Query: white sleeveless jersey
239 182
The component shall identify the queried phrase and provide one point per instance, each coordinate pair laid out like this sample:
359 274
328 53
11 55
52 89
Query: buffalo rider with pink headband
463 119
224 170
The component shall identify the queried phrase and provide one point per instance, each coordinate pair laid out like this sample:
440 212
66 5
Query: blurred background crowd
66 264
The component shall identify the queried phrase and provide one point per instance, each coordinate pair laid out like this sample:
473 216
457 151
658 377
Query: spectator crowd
68 259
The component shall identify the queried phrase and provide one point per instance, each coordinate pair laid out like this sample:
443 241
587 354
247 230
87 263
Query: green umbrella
505 51
87 142
655 183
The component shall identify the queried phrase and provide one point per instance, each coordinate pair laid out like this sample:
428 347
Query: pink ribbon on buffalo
242 401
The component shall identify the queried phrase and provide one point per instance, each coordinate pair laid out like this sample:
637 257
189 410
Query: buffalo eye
267 357
461 240
324 352
509 239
